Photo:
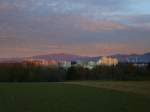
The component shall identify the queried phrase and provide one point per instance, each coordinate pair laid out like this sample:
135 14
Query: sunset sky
84 27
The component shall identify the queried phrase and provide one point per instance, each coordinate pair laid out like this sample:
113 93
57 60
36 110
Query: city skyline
82 27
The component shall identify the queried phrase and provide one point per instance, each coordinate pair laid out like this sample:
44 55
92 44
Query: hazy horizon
81 27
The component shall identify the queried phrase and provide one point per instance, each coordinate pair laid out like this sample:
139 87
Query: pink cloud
99 25
5 6
84 23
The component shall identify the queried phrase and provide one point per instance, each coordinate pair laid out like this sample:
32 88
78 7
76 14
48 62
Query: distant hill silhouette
65 57
133 58
123 58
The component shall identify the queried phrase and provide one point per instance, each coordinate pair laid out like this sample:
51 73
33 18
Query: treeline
119 72
32 73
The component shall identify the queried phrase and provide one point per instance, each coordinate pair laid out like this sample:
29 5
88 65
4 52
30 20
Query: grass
68 97
137 87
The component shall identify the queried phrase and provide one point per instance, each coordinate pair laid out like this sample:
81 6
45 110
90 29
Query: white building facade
108 61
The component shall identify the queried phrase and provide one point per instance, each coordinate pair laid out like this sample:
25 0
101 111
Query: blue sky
84 27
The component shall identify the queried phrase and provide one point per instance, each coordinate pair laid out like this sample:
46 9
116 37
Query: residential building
108 61
91 65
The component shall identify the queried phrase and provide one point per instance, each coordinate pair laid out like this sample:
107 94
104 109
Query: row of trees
32 73
119 72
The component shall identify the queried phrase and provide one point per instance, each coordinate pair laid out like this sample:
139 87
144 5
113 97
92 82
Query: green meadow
83 96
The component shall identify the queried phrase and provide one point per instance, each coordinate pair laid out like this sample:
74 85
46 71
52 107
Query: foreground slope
137 87
59 97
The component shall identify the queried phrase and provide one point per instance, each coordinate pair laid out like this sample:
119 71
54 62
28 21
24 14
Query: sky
83 27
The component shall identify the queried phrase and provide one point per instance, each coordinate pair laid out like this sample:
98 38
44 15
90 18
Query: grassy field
72 97
137 87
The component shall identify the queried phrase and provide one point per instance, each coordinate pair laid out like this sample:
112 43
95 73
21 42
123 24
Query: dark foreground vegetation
32 73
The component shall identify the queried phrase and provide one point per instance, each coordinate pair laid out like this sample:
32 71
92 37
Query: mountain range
123 58
65 57
143 58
